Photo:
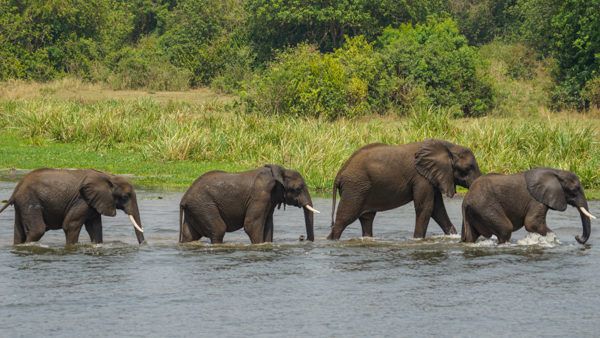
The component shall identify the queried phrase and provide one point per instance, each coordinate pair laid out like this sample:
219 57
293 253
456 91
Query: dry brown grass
77 90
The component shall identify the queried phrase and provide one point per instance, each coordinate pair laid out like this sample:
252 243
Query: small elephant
500 204
381 177
219 202
51 199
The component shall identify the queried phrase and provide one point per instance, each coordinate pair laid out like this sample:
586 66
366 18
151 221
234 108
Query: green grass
170 144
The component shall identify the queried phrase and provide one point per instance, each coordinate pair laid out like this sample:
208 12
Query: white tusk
312 209
135 225
585 212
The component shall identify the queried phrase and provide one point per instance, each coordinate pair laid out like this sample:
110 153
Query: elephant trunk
308 219
585 222
134 217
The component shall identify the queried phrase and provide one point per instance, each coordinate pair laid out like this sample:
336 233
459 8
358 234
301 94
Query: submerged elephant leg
424 202
33 224
19 231
255 222
74 221
347 213
535 220
440 216
188 234
469 233
93 226
268 230
366 222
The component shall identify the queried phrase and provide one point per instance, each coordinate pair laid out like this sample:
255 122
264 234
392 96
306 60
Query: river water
388 286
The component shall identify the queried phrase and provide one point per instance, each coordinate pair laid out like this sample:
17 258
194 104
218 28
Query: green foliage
274 25
520 82
45 40
482 21
303 82
576 49
146 67
591 92
154 139
437 56
206 38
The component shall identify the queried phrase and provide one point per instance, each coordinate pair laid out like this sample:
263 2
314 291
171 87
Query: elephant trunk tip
581 240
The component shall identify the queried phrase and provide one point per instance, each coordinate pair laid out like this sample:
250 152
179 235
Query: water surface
389 286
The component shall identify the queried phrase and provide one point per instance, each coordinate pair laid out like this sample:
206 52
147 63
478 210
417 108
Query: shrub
591 92
437 56
146 67
303 82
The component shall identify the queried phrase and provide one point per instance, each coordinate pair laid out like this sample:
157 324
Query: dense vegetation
337 58
174 143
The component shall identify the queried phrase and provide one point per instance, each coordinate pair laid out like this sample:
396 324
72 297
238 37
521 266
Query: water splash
548 241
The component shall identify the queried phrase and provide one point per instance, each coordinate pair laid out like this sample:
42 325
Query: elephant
379 177
219 202
500 204
50 199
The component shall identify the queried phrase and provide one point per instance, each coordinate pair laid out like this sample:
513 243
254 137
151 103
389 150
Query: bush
146 67
591 92
437 56
304 82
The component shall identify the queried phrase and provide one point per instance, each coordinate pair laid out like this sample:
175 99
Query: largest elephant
220 202
381 177
49 199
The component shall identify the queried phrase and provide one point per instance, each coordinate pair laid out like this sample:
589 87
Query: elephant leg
33 224
469 233
268 232
366 222
535 221
348 211
424 202
440 216
93 226
72 231
74 221
188 233
255 221
19 231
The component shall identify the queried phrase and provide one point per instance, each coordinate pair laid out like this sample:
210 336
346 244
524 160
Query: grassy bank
170 143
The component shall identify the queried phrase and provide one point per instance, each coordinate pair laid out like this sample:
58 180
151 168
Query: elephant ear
434 162
277 172
544 186
97 191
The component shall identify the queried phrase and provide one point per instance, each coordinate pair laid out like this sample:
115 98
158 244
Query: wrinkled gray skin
220 202
381 177
500 204
51 199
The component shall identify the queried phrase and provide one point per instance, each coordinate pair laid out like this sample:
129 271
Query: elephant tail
11 201
335 188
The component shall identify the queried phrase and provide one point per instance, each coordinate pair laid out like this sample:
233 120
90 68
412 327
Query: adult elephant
219 202
50 199
500 204
381 177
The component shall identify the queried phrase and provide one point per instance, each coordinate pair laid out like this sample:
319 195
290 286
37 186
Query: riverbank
168 144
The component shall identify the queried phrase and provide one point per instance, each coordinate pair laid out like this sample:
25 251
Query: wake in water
532 239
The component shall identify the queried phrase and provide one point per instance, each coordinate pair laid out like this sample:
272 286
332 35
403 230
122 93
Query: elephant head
446 164
557 188
291 189
106 193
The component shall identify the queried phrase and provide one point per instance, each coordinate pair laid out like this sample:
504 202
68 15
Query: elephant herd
375 178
